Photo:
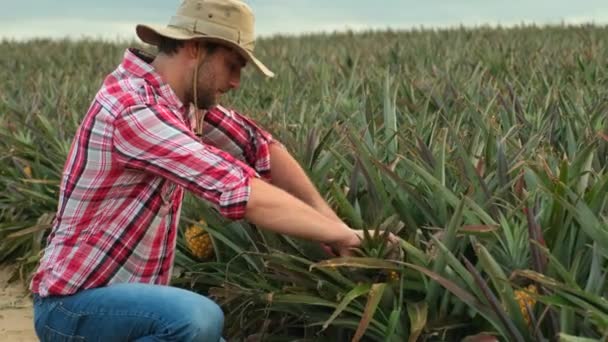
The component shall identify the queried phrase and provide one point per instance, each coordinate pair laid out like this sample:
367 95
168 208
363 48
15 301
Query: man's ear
193 49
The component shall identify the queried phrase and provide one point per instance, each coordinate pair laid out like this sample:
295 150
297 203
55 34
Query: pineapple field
484 150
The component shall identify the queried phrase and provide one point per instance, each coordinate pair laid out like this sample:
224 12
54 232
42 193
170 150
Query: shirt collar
138 63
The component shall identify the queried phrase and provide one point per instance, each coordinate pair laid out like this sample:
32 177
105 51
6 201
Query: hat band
209 28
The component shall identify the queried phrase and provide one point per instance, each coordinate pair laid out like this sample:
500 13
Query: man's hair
170 46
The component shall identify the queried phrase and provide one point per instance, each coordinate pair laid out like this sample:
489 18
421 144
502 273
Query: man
108 260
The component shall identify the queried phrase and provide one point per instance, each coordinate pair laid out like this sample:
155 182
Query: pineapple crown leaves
376 243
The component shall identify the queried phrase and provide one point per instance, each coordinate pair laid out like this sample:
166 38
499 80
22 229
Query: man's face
218 73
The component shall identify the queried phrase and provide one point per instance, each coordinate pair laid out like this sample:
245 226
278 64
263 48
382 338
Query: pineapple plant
505 141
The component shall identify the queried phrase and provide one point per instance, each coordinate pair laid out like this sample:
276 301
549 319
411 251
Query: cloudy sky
115 19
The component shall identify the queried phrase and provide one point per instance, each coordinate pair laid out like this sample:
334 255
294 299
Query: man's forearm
274 209
288 175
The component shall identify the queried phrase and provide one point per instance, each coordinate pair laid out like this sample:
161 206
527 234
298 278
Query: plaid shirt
122 187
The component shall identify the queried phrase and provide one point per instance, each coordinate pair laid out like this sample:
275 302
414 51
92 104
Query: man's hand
344 247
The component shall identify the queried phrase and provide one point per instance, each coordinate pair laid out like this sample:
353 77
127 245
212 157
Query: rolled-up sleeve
154 139
237 134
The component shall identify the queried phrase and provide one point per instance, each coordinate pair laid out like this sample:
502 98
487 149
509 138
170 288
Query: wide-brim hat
227 22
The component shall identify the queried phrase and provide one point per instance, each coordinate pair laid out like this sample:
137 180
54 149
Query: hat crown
232 13
232 20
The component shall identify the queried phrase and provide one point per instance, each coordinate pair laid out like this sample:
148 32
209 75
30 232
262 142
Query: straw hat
228 22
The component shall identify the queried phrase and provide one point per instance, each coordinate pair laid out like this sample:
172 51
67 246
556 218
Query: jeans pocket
61 326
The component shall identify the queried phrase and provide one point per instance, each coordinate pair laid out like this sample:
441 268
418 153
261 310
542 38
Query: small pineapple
27 170
393 276
199 241
525 299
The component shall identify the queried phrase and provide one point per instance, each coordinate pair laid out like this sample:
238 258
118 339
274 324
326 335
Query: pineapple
526 300
393 276
27 170
199 241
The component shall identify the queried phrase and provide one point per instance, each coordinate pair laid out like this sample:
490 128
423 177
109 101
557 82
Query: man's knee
203 320
210 321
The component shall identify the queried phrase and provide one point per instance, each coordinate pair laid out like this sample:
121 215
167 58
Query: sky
116 19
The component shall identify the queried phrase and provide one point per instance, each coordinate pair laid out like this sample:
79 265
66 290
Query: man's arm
240 136
288 175
154 139
274 209
245 140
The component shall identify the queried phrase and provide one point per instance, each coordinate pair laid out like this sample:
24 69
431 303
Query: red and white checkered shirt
122 186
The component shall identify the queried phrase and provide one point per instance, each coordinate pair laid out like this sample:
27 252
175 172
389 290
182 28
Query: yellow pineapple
199 241
525 299
27 170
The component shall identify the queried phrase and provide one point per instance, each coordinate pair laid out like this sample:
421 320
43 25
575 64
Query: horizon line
121 38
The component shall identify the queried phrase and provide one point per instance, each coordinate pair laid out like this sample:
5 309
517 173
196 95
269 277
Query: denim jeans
128 312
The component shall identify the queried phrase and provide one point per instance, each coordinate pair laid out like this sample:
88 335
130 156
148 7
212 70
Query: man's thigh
128 312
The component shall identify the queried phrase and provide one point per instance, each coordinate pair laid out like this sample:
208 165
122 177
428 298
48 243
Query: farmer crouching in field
105 272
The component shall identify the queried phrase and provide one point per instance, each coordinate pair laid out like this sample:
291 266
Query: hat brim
150 34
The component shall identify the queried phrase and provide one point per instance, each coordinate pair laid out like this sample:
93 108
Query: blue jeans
128 312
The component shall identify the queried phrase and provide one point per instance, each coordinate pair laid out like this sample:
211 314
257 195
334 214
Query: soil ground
16 315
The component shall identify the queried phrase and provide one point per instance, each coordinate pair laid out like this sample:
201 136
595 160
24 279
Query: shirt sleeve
240 136
154 139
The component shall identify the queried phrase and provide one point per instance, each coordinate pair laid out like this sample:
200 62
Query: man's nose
235 79
235 82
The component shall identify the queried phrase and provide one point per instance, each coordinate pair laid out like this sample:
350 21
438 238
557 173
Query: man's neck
170 70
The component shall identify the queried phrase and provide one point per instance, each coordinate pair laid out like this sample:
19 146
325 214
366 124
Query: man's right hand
344 247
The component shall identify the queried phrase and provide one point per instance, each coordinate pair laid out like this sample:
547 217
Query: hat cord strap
198 112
